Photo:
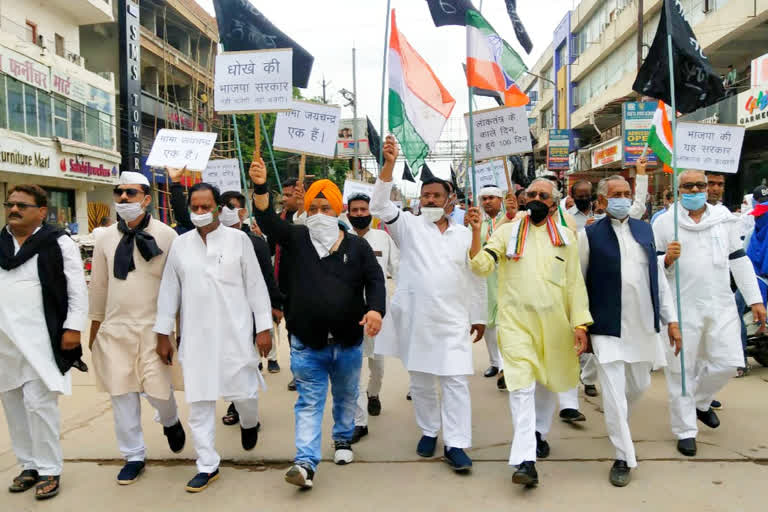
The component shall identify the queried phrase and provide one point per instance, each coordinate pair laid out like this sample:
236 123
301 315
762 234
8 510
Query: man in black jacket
336 289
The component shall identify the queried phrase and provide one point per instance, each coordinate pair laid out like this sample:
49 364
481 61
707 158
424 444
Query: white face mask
201 221
433 213
129 211
324 231
229 217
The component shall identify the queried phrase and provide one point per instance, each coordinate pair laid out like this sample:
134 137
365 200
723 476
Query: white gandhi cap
133 178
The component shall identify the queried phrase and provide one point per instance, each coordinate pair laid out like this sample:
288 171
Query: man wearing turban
337 290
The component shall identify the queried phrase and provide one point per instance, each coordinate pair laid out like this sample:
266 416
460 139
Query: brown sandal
47 487
25 481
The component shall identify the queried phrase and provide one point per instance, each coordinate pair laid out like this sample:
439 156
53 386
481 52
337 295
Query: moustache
14 216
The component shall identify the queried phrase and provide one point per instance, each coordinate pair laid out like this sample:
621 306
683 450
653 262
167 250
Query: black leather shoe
542 447
590 390
492 371
292 385
687 446
501 384
620 474
249 436
360 432
176 437
526 474
708 417
374 405
572 415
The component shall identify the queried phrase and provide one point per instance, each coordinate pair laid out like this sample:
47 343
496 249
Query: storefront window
2 102
15 104
30 104
44 114
77 117
105 130
60 117
61 207
92 126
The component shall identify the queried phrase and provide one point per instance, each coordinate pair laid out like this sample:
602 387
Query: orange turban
329 190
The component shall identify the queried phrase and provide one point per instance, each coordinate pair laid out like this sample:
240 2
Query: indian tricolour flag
491 61
419 105
660 138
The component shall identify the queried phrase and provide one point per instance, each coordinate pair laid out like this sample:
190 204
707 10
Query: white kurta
437 296
221 292
639 342
25 345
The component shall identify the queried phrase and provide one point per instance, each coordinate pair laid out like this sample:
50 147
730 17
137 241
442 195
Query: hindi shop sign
253 81
499 132
224 174
24 69
309 128
557 150
179 148
490 173
607 153
637 118
709 147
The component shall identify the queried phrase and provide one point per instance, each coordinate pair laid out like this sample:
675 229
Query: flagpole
271 154
674 182
472 147
384 84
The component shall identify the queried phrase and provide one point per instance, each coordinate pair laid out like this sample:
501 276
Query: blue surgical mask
693 202
598 216
618 207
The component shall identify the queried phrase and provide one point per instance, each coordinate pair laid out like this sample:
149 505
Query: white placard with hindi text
253 81
490 173
499 132
352 187
709 147
224 174
309 128
181 148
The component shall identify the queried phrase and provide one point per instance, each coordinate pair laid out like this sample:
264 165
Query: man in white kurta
123 307
31 378
629 302
436 302
710 249
212 276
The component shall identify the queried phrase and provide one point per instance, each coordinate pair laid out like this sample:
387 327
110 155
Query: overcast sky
328 29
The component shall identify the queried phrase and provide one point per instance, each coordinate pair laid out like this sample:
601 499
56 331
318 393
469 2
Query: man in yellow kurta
542 307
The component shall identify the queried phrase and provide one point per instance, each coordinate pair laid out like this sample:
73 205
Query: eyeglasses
130 192
701 185
20 206
533 194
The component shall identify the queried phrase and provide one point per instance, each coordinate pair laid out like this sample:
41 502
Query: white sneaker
300 476
344 454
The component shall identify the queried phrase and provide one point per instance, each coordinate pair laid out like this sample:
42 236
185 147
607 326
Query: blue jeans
312 370
741 305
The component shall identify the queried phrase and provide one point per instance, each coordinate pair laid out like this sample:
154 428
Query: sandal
47 487
232 417
25 481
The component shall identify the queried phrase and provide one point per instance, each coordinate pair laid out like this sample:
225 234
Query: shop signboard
637 118
607 153
752 109
557 150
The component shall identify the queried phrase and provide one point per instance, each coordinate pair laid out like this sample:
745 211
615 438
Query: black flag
450 12
696 84
426 173
522 35
374 142
243 27
407 174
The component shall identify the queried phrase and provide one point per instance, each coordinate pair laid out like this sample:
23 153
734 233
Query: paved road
729 474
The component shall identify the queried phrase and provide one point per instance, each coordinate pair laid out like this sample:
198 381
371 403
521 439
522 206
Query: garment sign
499 132
179 148
753 107
352 187
709 147
557 150
637 118
490 173
309 128
253 81
130 84
607 153
224 174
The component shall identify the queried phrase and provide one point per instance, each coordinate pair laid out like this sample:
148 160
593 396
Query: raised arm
277 230
178 200
637 210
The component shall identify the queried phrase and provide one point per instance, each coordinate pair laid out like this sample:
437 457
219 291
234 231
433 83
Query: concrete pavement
728 474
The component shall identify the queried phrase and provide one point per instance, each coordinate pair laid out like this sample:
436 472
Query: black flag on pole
696 84
407 174
426 173
450 12
243 27
374 142
520 32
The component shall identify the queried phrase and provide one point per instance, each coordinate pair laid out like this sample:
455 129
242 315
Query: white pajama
127 411
453 411
492 342
622 386
272 356
34 424
569 399
202 424
375 377
532 408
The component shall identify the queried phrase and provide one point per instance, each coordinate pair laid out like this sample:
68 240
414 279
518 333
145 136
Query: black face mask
539 210
583 204
360 222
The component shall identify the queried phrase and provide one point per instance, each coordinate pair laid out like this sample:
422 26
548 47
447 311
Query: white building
57 119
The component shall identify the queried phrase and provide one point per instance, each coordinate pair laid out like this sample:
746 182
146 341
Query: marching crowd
560 296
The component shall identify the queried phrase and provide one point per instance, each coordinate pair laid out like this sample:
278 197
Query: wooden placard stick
257 135
302 168
509 179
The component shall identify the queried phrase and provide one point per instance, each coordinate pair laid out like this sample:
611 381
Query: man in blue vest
629 303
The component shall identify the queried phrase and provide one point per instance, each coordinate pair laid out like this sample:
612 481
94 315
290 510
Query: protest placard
253 81
345 141
499 132
709 147
224 174
181 148
309 128
352 187
490 173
